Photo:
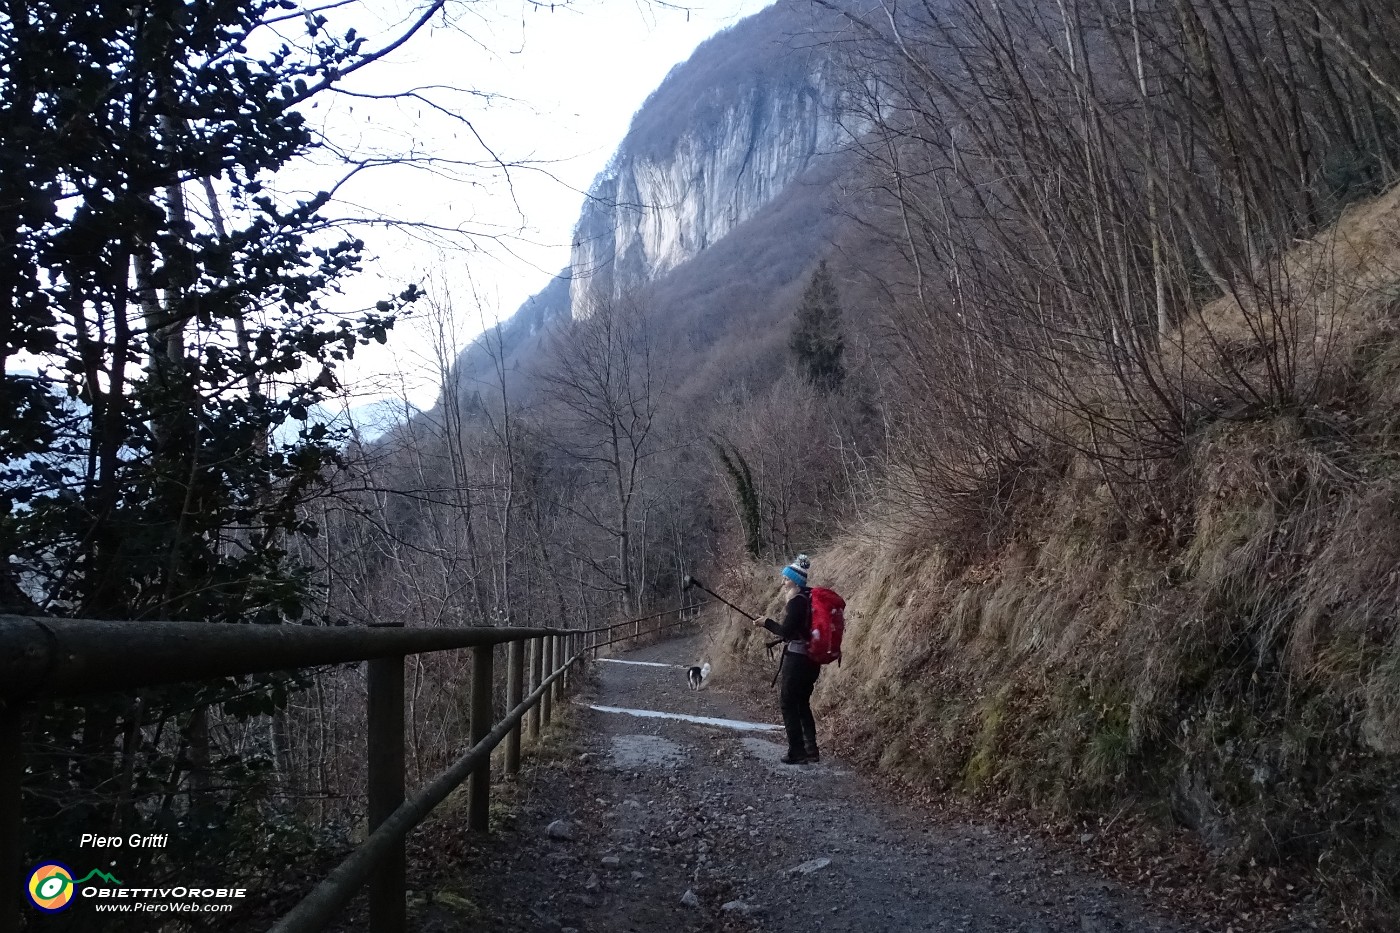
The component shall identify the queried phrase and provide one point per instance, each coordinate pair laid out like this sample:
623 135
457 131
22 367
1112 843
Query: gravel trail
658 824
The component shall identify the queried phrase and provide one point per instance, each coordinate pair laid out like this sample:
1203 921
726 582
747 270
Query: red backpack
828 625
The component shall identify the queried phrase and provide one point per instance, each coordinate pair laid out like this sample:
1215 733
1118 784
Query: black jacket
797 618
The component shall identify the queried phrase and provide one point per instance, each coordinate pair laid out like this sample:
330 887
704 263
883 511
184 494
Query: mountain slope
724 184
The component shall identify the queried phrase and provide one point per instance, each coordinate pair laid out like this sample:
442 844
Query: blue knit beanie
797 570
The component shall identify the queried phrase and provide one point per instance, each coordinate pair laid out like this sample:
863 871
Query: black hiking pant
795 695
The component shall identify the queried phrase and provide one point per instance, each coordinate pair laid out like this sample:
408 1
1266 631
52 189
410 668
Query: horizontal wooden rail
42 658
66 657
622 638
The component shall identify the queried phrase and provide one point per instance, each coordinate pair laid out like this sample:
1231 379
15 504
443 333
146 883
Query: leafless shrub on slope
1072 185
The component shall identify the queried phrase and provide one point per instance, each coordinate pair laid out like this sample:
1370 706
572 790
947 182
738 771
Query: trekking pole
691 581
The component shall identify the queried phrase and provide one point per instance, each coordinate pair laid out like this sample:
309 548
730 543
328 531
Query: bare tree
604 388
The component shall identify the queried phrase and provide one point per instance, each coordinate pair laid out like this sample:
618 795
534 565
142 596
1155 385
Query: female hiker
797 670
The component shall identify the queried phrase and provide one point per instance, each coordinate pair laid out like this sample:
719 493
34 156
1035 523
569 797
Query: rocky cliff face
660 204
730 136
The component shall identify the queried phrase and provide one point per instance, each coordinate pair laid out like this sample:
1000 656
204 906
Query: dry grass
1334 283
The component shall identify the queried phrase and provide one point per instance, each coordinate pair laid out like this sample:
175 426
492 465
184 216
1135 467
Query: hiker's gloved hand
765 622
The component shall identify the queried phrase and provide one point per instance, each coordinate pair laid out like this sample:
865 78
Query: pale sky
570 79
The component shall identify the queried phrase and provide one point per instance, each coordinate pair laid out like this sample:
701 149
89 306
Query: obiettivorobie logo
52 886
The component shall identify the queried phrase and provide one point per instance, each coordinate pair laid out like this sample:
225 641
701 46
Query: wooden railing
42 658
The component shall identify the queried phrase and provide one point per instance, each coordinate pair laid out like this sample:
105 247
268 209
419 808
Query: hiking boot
813 755
795 758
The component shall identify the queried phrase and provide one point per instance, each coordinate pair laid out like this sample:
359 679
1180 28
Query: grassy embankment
1233 667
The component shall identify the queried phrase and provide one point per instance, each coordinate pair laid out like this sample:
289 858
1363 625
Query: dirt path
671 826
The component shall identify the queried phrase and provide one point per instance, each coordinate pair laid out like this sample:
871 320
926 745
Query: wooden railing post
532 718
560 656
11 844
479 793
387 908
556 658
546 668
515 685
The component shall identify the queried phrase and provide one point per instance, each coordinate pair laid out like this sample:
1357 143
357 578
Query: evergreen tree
817 339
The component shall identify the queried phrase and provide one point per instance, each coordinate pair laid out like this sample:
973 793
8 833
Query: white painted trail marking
701 720
641 663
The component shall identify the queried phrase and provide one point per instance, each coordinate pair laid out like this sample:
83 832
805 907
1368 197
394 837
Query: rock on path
676 826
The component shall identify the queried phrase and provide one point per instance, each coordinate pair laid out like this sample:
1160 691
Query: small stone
689 899
560 829
612 861
1087 837
592 883
637 876
736 906
806 868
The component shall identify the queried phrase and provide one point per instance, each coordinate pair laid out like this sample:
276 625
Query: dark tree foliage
817 336
160 340
141 442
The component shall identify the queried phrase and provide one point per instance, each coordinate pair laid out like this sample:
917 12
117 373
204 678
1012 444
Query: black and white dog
698 675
